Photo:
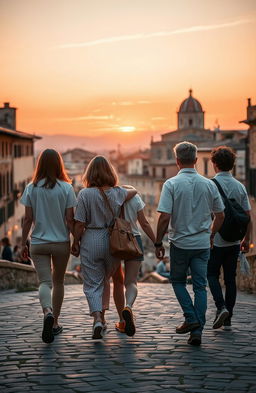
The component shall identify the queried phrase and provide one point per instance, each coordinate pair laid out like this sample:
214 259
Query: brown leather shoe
187 327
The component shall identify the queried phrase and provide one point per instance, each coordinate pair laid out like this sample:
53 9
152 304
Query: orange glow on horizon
112 65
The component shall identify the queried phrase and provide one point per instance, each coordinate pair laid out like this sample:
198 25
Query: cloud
89 117
122 103
130 103
158 118
141 36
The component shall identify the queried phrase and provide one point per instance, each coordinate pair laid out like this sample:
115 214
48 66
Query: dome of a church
190 105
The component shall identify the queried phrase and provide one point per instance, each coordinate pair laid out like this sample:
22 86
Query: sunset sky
92 67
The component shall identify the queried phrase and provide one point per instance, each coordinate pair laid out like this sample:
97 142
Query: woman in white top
49 204
134 211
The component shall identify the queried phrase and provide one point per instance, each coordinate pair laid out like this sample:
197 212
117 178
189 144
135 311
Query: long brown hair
50 167
99 173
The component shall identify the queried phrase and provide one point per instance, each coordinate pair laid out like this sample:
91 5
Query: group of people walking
190 205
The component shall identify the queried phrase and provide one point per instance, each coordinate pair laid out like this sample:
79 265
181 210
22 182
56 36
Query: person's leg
60 257
42 262
131 274
229 269
217 257
93 279
198 267
118 290
179 267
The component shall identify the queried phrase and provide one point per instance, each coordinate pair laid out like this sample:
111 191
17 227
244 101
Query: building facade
16 169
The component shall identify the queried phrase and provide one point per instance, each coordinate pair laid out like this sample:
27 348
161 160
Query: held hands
212 239
24 253
245 245
75 249
160 251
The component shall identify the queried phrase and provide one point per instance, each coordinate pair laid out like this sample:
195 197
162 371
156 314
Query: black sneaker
227 324
195 339
221 315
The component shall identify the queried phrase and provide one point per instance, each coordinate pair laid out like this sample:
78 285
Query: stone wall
247 283
22 277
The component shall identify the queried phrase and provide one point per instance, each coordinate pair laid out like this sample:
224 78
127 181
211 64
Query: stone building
16 169
75 161
251 174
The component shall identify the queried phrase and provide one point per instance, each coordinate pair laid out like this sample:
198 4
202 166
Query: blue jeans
227 258
196 260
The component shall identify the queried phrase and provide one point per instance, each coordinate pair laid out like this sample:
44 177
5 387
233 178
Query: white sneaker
220 318
97 331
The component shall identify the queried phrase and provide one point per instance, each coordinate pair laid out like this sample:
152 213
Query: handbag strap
222 193
122 214
107 201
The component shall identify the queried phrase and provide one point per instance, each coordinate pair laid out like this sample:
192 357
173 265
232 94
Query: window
190 122
206 160
6 118
154 172
169 154
159 154
2 215
164 173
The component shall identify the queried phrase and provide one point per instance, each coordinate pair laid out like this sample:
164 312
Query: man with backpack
233 237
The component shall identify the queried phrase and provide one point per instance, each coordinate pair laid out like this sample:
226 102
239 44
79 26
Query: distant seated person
161 267
7 251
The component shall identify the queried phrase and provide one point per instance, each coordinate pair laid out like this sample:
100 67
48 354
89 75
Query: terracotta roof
18 134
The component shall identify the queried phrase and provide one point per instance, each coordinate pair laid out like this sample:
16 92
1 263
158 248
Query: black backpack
236 220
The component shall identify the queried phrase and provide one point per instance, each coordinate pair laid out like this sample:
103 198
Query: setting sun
127 129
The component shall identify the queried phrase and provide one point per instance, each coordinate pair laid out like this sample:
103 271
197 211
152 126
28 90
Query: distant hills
128 141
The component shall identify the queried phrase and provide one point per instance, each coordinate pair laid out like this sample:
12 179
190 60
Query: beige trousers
50 260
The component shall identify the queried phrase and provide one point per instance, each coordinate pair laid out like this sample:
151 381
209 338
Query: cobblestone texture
155 360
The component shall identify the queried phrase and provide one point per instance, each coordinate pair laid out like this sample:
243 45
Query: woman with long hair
49 204
91 235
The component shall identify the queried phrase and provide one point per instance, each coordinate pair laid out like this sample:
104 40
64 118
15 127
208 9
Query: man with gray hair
186 204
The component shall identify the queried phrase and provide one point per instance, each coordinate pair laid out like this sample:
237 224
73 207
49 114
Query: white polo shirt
190 199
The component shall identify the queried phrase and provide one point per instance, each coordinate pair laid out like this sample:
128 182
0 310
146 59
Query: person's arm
69 215
162 227
245 243
130 194
77 233
28 220
145 225
216 225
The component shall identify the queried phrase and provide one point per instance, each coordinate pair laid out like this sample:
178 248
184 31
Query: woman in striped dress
91 235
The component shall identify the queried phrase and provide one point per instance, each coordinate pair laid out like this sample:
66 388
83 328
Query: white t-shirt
131 209
49 206
236 190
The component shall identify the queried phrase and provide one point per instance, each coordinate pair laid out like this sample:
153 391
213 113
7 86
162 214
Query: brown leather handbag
123 243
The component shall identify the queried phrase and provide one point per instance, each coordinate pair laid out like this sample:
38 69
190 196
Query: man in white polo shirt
186 204
225 253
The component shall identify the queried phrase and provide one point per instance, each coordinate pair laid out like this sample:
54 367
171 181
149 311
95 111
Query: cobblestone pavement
156 359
